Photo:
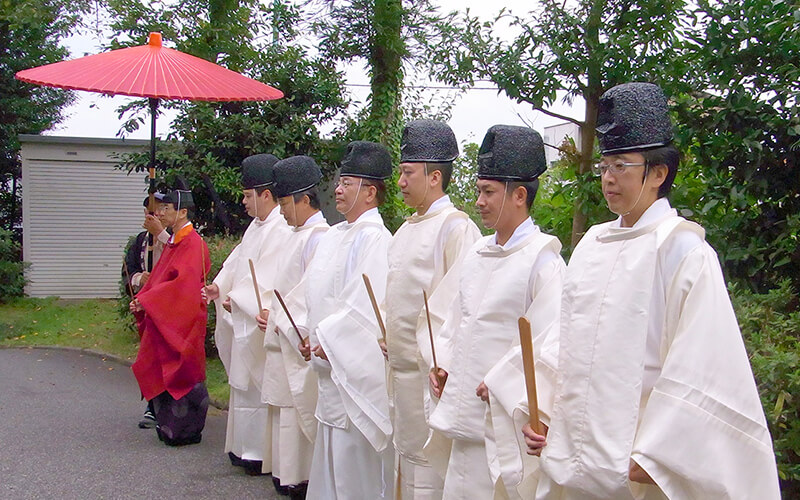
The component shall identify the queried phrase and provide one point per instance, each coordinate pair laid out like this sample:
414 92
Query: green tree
384 34
573 49
741 127
31 32
211 139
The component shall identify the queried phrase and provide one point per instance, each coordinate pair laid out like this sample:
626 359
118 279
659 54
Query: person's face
161 209
490 202
288 209
347 192
413 183
169 215
622 189
249 200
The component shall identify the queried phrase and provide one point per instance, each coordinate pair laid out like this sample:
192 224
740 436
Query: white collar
657 210
522 231
439 204
314 219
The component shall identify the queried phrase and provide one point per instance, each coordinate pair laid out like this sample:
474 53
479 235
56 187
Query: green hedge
12 269
770 325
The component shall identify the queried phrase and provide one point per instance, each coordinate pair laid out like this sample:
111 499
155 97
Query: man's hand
305 349
437 381
135 306
320 352
262 319
152 225
226 304
210 292
534 441
145 275
385 352
482 392
638 475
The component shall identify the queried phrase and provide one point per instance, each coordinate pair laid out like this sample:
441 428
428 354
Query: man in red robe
171 316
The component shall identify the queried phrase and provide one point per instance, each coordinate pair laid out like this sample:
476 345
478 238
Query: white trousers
346 467
467 475
247 433
289 454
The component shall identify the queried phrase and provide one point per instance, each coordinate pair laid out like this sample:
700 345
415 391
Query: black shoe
235 460
148 420
253 467
298 491
282 490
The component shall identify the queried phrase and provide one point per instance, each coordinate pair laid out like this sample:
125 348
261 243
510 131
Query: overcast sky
474 112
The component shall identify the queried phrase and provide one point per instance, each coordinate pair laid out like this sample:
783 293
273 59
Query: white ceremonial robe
652 367
422 251
290 385
497 285
352 454
239 340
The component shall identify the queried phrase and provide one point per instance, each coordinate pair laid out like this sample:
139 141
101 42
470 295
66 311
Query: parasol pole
374 305
530 375
153 101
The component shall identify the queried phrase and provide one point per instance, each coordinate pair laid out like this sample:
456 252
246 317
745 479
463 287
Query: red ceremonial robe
172 326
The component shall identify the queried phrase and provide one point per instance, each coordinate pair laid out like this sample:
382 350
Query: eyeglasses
346 184
615 168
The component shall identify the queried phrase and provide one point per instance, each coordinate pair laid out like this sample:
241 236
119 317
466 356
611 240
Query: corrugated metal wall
78 213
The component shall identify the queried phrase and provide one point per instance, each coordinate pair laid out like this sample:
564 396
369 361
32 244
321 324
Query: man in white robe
654 396
422 251
289 383
353 457
239 340
515 272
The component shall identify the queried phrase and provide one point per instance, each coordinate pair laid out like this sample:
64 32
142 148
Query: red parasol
155 72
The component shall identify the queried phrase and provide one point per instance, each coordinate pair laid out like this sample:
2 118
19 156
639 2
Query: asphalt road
68 430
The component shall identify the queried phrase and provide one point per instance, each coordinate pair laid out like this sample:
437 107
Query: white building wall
555 135
78 212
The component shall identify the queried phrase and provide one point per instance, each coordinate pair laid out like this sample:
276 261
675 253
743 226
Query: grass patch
88 324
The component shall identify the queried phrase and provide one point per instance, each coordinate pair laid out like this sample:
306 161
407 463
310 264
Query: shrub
12 269
770 324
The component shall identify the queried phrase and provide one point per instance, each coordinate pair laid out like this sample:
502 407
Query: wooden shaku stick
374 305
430 333
530 375
286 310
128 278
255 285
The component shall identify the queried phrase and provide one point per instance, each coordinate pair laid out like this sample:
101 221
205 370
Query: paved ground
68 430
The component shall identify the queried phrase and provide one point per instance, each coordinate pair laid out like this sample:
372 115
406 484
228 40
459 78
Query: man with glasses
655 396
238 338
353 456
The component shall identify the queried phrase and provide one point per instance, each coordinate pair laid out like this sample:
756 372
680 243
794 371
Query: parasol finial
155 39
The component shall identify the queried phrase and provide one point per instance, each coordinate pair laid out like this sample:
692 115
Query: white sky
474 112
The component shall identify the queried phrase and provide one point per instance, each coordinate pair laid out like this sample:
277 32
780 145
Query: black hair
445 167
665 155
380 187
531 187
313 197
261 189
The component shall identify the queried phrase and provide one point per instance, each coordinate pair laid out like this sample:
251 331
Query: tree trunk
385 60
587 151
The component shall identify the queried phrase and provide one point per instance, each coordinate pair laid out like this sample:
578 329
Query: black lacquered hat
369 160
511 153
428 141
633 117
295 174
257 171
